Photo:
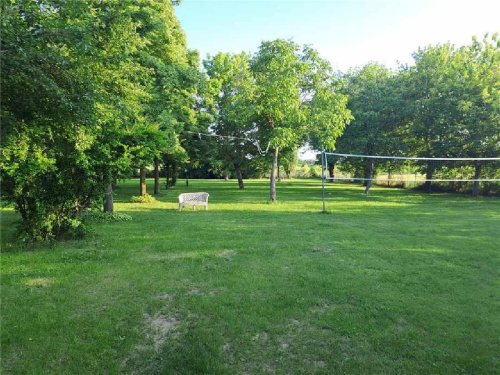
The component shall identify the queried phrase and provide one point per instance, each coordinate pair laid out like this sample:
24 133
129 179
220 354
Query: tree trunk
428 176
288 173
167 176
142 181
272 178
157 177
226 175
108 199
331 171
239 176
477 176
367 170
174 175
369 175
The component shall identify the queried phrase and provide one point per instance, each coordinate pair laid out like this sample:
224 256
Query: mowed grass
397 282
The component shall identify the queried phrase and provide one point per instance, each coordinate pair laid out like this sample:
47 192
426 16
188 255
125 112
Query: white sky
349 33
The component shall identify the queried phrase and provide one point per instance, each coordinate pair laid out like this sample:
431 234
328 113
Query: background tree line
446 104
99 90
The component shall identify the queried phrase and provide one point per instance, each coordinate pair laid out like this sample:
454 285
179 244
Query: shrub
316 171
303 171
143 199
106 217
51 181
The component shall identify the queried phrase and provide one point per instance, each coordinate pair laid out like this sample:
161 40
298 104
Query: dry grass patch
159 327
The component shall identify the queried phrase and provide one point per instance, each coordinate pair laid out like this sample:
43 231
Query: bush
143 199
74 229
51 184
316 171
106 217
303 171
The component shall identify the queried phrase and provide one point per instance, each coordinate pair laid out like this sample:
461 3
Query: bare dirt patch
39 281
159 328
328 306
401 325
195 292
319 364
227 254
165 297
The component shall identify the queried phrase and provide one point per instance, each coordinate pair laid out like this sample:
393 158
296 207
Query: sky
347 33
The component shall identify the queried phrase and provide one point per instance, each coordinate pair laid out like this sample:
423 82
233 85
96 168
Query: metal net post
323 159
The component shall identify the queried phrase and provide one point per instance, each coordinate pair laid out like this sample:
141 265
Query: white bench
193 199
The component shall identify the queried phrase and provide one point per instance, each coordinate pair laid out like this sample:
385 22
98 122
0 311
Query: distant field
396 282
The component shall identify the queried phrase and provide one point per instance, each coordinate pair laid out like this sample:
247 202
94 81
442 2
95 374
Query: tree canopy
83 97
297 98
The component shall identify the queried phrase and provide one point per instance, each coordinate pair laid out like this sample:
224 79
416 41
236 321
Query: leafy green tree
375 102
194 154
278 70
230 98
77 78
53 74
432 128
170 86
477 88
454 102
181 89
296 99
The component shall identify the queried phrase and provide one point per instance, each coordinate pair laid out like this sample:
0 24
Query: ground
398 282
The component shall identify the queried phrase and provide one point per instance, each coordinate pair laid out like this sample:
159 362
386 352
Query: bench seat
193 199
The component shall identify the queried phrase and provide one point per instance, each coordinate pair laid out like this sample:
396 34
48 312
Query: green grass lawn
394 283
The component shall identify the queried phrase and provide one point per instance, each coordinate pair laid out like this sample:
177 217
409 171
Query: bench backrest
193 197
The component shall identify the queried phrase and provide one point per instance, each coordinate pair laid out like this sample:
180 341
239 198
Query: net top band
408 158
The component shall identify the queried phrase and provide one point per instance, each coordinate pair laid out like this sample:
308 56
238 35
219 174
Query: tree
172 79
76 77
432 126
296 99
278 69
476 85
54 108
230 98
375 102
454 97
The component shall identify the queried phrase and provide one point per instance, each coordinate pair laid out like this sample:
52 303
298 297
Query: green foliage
87 92
445 105
477 90
454 100
96 216
432 125
376 104
230 99
298 95
297 98
146 198
278 70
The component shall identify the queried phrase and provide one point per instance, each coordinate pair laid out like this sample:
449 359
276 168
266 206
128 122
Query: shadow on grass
295 190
